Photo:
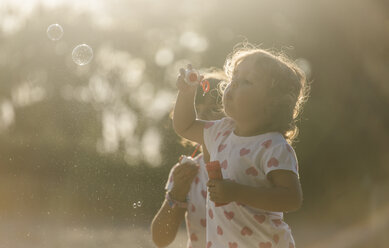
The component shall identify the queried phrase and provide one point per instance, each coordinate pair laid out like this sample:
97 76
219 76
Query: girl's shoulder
276 138
268 141
224 123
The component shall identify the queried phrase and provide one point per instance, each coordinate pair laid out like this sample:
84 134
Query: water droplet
139 204
134 205
54 32
82 54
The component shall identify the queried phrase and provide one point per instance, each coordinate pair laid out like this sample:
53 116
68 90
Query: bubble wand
193 77
194 152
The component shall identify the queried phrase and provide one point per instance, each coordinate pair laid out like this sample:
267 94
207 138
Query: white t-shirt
247 160
195 217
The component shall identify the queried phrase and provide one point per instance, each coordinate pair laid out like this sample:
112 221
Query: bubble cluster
137 204
55 32
82 54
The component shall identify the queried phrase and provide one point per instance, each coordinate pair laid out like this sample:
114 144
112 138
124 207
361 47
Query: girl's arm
284 196
165 224
184 116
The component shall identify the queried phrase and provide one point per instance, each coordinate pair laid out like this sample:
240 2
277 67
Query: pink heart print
193 237
193 208
204 193
232 245
203 222
246 231
267 143
265 245
252 171
291 245
219 230
210 213
276 238
244 151
224 164
272 162
277 222
226 132
260 218
221 147
209 244
217 136
208 124
229 215
197 180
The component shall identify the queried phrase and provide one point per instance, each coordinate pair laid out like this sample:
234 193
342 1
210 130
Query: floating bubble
82 54
54 32
139 204
134 205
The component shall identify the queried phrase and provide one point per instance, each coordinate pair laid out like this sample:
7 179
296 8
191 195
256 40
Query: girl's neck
251 129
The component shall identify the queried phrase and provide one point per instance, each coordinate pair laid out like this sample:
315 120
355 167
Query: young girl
259 167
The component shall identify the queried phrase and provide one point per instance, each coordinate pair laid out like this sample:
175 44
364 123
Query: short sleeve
213 130
279 157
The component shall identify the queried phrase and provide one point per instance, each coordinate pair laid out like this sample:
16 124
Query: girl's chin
228 111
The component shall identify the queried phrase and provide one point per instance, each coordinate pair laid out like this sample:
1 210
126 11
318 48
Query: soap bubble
54 32
139 204
82 54
134 205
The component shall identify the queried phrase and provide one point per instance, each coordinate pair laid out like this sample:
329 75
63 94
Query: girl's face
245 97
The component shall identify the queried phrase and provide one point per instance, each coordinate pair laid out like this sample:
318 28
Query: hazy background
80 145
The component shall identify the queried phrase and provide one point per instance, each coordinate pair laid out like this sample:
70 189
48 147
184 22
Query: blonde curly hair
286 84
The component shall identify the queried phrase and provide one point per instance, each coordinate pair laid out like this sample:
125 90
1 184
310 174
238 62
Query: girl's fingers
185 174
182 72
211 183
211 190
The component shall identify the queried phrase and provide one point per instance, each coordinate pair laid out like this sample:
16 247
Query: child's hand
183 175
182 85
222 191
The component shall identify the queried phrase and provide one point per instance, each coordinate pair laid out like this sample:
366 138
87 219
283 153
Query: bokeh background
79 145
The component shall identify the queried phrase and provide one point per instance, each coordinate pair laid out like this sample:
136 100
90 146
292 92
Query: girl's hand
182 85
183 175
222 191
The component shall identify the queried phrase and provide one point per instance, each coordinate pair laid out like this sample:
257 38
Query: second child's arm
185 122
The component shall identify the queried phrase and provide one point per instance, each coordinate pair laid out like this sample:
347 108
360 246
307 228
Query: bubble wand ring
206 86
